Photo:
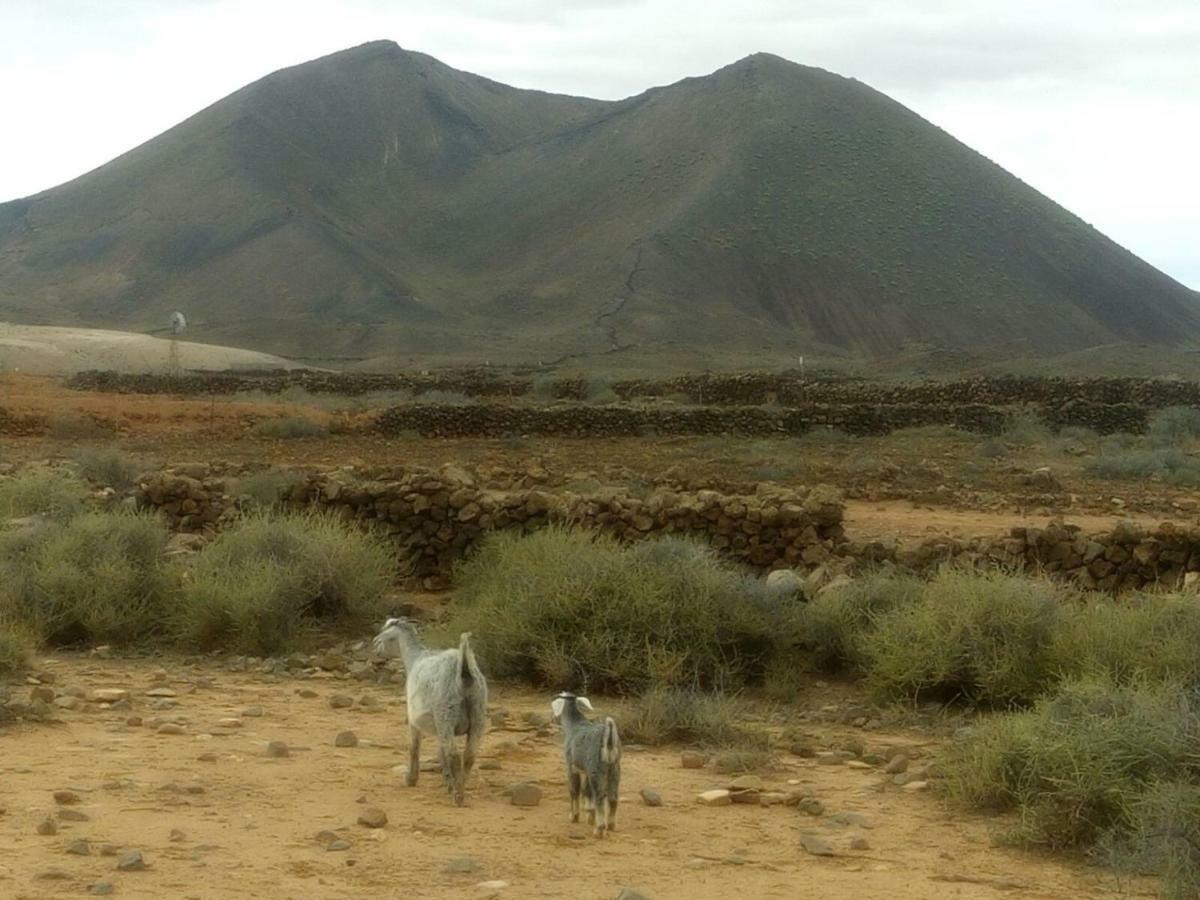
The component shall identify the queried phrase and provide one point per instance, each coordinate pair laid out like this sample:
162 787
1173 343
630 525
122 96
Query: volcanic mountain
377 202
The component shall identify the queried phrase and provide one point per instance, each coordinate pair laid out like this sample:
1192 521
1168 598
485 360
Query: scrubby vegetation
266 489
1173 424
571 608
265 583
98 578
41 491
106 467
16 645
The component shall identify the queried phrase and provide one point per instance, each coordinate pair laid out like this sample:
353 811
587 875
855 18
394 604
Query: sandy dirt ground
47 350
215 817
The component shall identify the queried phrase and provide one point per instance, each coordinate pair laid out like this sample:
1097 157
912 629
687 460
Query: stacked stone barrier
436 517
584 420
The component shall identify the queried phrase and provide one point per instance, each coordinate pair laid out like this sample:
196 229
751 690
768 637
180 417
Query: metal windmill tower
177 326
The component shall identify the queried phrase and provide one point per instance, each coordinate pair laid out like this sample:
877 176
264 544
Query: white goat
592 752
447 697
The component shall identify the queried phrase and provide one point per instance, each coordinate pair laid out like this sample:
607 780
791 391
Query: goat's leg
575 788
451 762
414 756
599 812
474 737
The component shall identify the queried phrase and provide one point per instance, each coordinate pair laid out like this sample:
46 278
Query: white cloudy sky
1094 102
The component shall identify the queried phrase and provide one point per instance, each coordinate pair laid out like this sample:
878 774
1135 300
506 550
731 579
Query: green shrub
1163 838
41 491
1076 765
666 715
1176 423
289 428
1168 463
17 644
106 467
268 488
1025 429
443 398
835 624
565 607
982 638
97 578
1143 637
265 583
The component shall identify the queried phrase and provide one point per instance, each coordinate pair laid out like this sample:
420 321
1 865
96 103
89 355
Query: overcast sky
1096 104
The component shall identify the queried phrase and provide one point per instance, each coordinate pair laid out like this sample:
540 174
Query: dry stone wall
435 517
582 420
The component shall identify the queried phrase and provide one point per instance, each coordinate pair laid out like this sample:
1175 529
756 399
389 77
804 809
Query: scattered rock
346 739
278 750
169 728
651 797
134 721
341 701
914 786
525 794
72 815
489 765
107 695
631 894
816 845
161 692
253 712
811 806
373 817
133 861
66 798
339 844
101 889
108 850
849 819
897 764
718 797
858 842
176 836
746 783
52 875
690 759
829 758
71 703
207 757
492 885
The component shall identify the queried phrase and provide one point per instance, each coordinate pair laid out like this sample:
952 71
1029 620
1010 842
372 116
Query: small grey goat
593 756
447 697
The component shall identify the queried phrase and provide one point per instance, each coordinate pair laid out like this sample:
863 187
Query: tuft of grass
54 493
266 583
667 715
17 644
106 467
1167 463
1174 424
1024 429
982 638
1162 838
567 607
98 578
1077 765
1142 637
268 488
289 428
835 624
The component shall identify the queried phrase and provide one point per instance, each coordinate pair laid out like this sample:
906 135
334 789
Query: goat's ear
584 702
556 706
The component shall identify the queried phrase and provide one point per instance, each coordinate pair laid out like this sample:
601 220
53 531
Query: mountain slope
377 202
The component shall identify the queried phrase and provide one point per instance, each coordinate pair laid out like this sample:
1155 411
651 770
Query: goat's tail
468 668
610 747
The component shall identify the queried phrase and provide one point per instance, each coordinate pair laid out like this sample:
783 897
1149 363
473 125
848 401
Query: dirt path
904 520
248 823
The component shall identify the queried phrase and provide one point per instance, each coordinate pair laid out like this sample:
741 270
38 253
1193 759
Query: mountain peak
346 206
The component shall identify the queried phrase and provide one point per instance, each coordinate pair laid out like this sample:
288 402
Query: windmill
178 324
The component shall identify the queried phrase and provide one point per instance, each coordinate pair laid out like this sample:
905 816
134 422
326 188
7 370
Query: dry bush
266 583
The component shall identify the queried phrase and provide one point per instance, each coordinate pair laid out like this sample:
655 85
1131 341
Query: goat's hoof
411 780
